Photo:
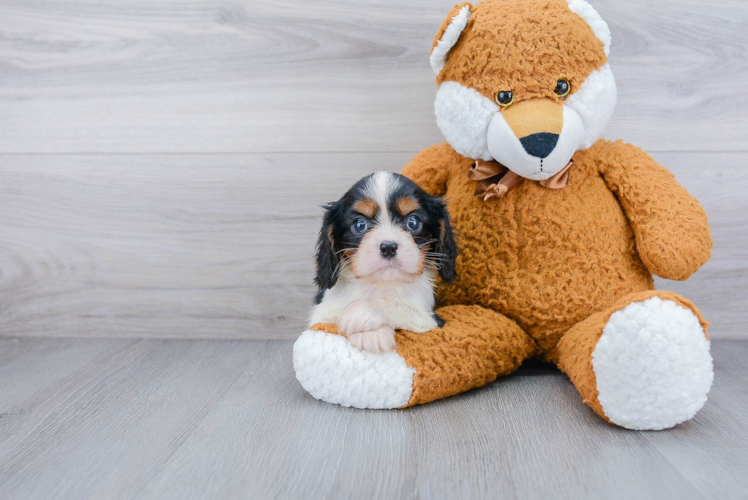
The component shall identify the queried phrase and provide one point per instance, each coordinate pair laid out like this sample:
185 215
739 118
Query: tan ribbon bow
495 180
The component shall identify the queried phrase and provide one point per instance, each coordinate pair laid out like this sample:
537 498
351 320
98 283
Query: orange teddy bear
559 233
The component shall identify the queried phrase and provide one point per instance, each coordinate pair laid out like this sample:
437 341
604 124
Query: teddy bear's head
523 82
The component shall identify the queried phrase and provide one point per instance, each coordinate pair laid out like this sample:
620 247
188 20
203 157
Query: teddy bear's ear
448 34
596 22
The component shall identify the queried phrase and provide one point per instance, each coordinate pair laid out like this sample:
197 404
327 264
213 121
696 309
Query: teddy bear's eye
562 88
504 98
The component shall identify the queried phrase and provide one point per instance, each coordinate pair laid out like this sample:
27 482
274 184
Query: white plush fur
333 370
652 365
448 40
591 17
463 115
595 102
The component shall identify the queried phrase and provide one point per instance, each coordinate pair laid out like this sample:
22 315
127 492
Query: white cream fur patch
333 370
448 40
463 115
652 365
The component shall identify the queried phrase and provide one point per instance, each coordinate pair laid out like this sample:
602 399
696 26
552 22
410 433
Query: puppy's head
385 229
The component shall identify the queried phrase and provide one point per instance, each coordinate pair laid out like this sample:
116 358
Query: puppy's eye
504 98
360 225
413 224
562 88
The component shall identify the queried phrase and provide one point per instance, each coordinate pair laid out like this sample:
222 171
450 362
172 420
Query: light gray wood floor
119 418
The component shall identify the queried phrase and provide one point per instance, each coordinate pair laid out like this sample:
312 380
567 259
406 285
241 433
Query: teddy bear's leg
474 347
643 363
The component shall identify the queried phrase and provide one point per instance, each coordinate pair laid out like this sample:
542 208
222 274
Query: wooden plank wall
162 162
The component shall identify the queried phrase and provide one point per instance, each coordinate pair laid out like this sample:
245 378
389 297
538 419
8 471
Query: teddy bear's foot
474 347
650 365
330 368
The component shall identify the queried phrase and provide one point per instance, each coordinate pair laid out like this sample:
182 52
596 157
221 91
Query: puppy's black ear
327 256
446 246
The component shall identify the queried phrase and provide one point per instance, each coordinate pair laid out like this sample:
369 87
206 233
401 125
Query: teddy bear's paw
333 370
652 365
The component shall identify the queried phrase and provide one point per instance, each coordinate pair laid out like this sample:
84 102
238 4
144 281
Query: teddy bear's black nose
539 145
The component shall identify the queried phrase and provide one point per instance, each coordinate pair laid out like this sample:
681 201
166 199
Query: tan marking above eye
406 205
367 207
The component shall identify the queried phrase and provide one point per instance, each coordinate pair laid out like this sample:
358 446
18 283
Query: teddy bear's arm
430 168
671 227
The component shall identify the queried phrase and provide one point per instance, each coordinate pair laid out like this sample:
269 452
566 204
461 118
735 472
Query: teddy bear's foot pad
652 365
332 370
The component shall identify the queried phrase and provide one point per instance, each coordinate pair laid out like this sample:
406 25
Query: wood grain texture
227 419
294 76
221 245
172 245
114 223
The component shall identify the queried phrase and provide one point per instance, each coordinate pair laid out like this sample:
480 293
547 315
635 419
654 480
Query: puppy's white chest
411 305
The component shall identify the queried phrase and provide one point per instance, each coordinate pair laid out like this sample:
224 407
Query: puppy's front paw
360 316
421 324
377 341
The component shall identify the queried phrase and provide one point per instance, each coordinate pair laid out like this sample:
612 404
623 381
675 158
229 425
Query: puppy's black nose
388 249
539 145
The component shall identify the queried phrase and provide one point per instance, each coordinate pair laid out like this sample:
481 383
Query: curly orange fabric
541 270
524 47
551 259
474 347
548 259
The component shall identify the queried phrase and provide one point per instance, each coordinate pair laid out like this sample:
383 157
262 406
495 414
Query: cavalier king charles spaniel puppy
380 248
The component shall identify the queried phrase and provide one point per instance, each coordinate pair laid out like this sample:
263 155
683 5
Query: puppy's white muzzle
371 264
